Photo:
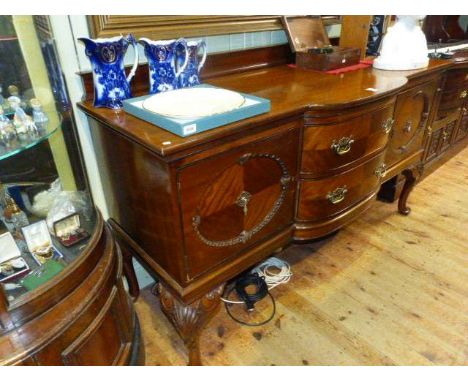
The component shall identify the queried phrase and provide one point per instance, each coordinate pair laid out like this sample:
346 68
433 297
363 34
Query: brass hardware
244 158
243 200
285 180
465 111
464 93
381 171
388 125
429 131
343 145
338 195
408 126
444 136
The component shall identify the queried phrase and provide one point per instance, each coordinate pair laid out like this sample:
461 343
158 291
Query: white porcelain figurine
404 46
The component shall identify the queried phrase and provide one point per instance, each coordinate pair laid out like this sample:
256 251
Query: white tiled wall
240 41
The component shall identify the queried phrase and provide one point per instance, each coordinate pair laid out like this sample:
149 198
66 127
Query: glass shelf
19 146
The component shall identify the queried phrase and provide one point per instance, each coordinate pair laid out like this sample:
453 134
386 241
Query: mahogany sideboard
199 210
84 316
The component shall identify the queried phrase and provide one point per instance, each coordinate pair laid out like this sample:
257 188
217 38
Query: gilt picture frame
164 27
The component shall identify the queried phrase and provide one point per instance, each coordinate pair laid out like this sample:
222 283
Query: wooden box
307 35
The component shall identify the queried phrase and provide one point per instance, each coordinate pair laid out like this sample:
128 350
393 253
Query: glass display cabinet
55 248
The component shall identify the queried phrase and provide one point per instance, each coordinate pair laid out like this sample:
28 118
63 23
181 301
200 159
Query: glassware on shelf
24 125
14 92
7 131
40 118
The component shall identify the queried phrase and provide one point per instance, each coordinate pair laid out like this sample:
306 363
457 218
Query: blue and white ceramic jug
164 69
111 85
191 75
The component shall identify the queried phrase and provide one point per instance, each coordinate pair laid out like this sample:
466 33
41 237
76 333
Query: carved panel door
236 199
411 114
432 149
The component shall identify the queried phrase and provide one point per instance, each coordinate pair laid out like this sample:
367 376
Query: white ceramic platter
191 103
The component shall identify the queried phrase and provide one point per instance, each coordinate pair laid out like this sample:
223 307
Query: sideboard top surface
292 92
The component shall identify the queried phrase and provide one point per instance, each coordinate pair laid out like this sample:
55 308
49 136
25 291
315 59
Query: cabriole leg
410 181
190 319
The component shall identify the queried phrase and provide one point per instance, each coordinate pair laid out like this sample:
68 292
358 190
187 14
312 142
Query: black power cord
249 298
245 281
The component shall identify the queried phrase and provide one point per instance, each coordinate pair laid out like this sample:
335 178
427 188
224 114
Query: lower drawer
323 198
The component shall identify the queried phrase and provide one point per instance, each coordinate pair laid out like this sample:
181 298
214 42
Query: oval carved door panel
236 199
411 115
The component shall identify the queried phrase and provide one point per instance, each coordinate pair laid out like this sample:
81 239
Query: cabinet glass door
46 213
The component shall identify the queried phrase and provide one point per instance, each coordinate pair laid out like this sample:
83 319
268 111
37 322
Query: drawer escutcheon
243 201
463 94
343 145
338 195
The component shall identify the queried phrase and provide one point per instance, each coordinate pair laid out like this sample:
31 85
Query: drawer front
412 111
320 199
328 148
450 101
236 199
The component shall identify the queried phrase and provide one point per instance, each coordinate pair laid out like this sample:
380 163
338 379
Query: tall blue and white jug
197 57
164 66
111 85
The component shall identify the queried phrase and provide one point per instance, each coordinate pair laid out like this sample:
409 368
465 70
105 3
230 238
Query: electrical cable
263 278
250 298
273 279
228 310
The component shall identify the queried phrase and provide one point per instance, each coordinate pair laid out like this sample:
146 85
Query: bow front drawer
323 198
331 146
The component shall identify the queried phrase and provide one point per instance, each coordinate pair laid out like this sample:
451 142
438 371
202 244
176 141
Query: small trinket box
39 242
309 41
12 265
69 231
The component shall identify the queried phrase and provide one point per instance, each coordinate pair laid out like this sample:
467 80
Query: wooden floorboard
386 290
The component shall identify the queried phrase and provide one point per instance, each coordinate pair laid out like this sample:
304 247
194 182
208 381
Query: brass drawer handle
381 171
464 93
387 126
338 195
343 145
